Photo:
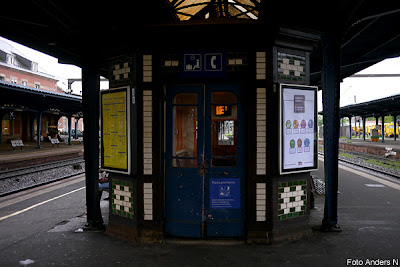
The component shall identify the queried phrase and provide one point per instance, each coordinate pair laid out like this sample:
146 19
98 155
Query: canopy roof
190 9
384 106
75 32
13 96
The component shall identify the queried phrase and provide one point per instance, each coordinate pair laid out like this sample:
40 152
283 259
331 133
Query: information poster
298 116
225 193
115 132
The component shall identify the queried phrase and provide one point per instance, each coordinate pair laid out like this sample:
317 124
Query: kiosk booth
210 143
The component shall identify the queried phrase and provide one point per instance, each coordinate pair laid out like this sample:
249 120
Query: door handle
226 173
203 164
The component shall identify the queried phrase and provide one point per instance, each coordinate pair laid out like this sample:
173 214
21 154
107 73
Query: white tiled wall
148 201
147 68
261 205
261 131
147 132
261 66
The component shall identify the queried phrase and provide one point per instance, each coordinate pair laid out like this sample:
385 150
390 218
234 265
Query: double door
204 161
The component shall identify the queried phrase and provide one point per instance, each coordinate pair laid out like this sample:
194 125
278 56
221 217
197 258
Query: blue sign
202 64
192 62
225 193
213 62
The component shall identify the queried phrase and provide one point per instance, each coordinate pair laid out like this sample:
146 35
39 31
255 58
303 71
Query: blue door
204 161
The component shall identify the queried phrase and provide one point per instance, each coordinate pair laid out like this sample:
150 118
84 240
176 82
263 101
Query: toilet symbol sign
202 64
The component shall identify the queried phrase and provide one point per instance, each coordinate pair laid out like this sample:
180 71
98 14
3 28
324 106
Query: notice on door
298 128
115 134
225 193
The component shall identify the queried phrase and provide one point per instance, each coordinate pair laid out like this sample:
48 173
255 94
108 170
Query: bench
54 141
17 143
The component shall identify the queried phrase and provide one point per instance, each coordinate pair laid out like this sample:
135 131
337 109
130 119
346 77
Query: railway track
17 180
362 160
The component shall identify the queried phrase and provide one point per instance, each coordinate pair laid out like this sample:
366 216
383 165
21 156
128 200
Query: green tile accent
122 198
292 199
291 67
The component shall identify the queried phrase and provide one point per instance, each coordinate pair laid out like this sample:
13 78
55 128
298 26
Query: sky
352 90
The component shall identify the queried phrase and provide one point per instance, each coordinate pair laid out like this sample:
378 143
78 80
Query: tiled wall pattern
148 201
236 61
261 66
261 131
147 132
169 63
121 71
147 68
291 67
261 204
122 198
292 199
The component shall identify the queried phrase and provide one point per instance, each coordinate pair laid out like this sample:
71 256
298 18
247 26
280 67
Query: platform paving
50 234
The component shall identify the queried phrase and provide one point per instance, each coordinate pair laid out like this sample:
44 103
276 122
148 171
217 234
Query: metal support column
90 103
1 132
76 127
363 119
331 48
395 126
38 129
350 128
69 129
383 129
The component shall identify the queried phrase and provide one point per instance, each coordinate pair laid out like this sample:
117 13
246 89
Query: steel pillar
363 119
76 127
38 129
90 103
350 127
395 126
383 129
69 129
331 49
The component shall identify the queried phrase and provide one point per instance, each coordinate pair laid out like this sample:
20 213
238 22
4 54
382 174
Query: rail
26 178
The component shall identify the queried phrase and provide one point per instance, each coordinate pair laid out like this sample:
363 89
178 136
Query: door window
185 127
224 129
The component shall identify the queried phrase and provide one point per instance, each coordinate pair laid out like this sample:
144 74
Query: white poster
298 107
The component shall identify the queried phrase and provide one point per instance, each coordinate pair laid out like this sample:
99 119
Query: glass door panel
224 124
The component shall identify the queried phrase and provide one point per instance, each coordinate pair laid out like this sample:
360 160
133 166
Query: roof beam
359 32
378 45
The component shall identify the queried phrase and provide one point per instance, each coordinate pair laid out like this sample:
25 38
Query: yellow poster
114 133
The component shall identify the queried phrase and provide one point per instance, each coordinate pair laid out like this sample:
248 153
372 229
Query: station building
18 117
191 136
209 103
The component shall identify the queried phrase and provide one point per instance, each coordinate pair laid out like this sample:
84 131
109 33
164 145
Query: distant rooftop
12 57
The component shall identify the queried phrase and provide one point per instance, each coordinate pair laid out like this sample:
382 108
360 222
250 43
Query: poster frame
282 87
127 90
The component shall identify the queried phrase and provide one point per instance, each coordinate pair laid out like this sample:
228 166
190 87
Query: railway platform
29 155
368 147
44 229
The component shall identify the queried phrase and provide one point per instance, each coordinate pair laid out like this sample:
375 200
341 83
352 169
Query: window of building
24 83
37 86
6 125
14 81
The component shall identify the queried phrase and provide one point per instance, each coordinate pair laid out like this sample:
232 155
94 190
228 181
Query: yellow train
389 130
